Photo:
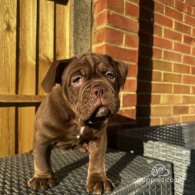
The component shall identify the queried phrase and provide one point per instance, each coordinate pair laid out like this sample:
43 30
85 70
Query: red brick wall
157 41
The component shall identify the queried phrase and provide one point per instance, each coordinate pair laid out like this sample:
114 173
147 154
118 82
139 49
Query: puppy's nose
99 91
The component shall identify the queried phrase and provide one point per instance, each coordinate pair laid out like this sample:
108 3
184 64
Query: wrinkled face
91 85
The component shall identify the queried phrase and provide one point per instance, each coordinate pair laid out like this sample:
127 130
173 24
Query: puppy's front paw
37 183
99 185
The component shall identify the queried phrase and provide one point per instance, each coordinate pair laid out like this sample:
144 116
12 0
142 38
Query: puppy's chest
75 136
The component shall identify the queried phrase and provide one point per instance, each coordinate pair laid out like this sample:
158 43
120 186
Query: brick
182 48
156 76
172 56
188 99
131 9
132 70
189 20
180 109
182 27
117 6
154 121
155 99
158 7
193 30
192 109
189 60
109 35
135 1
172 35
101 19
193 89
193 70
145 122
145 99
118 53
189 79
188 118
122 53
129 100
161 111
193 51
162 43
171 120
181 89
100 49
180 68
193 11
131 40
99 6
169 2
148 75
157 30
162 65
183 7
130 85
162 20
170 99
157 53
129 113
122 22
174 14
189 40
161 88
174 78
191 2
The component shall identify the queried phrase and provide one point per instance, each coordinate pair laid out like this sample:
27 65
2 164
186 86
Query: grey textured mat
70 167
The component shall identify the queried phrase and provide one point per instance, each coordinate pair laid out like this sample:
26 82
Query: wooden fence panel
46 39
33 33
62 31
7 73
27 71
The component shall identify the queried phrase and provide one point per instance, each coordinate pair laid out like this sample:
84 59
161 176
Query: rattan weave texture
174 143
128 171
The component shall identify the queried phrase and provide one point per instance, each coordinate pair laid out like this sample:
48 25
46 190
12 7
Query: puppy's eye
77 81
110 76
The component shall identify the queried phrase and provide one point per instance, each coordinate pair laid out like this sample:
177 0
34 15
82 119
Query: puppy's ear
123 70
54 74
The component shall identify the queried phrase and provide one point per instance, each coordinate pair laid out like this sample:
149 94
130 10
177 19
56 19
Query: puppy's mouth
100 114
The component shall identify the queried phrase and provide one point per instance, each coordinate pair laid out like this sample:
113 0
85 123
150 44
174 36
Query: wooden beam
21 98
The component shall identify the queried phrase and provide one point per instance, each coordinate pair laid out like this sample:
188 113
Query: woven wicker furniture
174 143
131 173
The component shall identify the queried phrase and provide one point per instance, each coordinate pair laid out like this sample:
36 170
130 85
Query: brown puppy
83 93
